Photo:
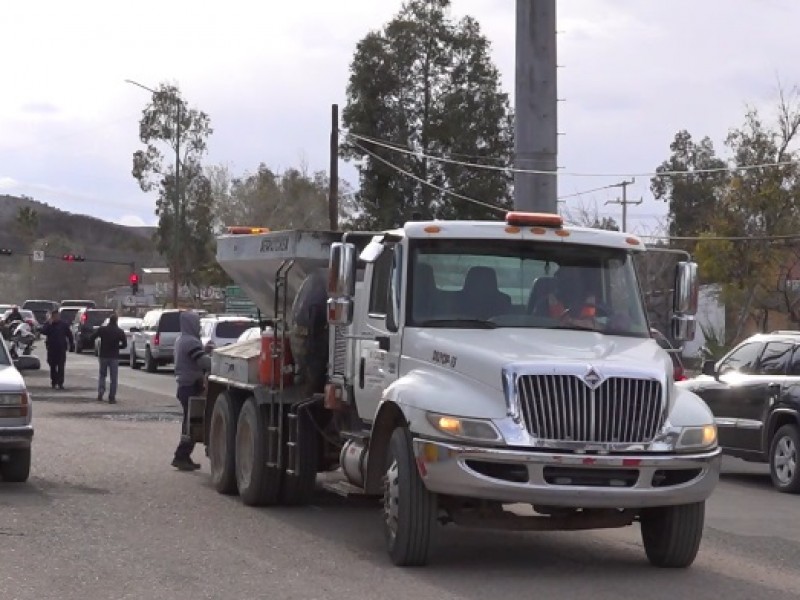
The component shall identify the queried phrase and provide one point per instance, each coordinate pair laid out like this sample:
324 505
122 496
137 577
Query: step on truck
486 374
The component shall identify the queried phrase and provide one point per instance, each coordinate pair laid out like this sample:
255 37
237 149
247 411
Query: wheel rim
391 499
244 453
218 442
785 460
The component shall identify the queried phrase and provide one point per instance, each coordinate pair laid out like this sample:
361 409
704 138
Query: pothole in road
136 417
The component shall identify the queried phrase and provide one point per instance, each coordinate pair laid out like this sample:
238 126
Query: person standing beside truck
112 340
191 364
58 337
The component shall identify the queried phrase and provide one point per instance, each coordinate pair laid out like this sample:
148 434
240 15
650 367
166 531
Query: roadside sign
38 255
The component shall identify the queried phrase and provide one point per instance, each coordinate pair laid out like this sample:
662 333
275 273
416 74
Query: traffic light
6 252
73 258
134 281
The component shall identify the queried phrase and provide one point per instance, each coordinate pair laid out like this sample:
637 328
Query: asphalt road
104 516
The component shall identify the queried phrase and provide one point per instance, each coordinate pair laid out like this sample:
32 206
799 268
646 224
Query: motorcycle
20 345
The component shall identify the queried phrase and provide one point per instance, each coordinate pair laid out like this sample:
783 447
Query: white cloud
131 221
635 72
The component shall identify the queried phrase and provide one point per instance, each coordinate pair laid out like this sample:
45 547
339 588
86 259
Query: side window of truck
379 289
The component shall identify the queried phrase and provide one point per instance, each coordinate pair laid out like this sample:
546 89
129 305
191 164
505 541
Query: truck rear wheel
18 467
258 484
298 488
409 509
672 534
222 445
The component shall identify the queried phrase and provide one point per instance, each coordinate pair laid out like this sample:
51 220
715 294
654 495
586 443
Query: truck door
378 350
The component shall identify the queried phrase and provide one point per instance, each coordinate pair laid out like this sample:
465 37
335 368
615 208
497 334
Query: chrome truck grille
566 408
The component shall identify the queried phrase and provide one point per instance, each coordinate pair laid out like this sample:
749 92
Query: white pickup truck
454 368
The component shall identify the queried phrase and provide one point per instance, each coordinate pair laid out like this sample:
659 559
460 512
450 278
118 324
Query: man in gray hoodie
191 365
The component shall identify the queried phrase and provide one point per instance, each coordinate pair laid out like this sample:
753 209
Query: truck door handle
383 342
361 366
774 388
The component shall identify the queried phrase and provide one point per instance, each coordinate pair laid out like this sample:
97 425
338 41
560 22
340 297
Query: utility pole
624 201
536 129
333 184
175 242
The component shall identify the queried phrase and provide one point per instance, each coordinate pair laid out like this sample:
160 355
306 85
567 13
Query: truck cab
469 366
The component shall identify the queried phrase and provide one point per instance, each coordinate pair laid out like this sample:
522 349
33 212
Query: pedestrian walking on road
58 338
112 340
191 364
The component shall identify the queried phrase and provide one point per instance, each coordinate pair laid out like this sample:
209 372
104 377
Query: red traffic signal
73 258
133 279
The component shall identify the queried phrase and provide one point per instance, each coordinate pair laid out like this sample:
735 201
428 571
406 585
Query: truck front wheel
672 534
222 445
409 509
258 483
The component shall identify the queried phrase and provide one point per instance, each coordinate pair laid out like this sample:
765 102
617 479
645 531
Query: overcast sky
635 72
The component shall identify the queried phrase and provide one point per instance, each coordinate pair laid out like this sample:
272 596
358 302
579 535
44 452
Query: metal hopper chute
255 261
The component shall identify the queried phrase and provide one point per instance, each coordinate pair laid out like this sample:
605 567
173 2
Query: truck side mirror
686 289
341 270
683 328
709 368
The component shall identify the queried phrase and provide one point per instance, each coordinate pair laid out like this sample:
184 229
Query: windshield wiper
575 327
461 323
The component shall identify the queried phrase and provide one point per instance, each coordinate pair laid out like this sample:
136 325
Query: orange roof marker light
432 229
247 230
534 219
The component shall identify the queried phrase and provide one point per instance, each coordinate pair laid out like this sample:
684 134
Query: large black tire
149 362
18 467
409 509
784 452
672 534
134 362
299 488
222 445
258 484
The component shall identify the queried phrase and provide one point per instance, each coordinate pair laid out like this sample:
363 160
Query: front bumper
567 480
16 437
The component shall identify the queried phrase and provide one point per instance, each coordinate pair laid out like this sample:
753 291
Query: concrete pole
536 135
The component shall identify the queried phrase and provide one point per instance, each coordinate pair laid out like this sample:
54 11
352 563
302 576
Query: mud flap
196 421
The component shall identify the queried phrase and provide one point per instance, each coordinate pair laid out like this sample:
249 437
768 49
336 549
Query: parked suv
154 342
84 324
16 430
216 332
41 309
754 393
78 303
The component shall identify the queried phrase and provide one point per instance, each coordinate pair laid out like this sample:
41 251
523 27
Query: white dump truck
489 374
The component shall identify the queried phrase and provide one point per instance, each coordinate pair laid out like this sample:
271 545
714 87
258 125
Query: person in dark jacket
13 315
191 364
112 340
58 338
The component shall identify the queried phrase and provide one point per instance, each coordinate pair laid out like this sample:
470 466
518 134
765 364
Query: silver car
16 428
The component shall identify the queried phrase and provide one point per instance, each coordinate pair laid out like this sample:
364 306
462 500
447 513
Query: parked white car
250 334
125 323
223 330
16 428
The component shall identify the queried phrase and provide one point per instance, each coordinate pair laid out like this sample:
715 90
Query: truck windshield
484 284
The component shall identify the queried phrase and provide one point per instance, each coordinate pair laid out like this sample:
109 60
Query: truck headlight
474 429
693 438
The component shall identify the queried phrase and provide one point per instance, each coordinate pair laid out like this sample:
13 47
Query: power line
726 238
428 183
574 174
399 146
605 187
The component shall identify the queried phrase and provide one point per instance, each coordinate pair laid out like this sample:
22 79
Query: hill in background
60 232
